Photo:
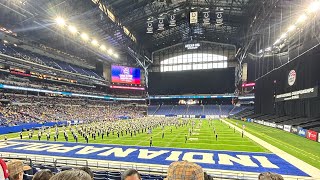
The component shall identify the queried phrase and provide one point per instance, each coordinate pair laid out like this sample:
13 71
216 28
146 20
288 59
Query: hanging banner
193 17
219 17
172 22
160 24
206 18
149 27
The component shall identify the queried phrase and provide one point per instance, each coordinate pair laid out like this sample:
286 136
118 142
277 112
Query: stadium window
194 61
195 66
174 68
179 59
214 65
225 64
189 59
188 67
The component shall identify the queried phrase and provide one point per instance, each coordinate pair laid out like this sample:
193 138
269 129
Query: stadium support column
238 77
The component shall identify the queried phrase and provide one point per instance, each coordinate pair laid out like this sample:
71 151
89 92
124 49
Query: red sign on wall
312 135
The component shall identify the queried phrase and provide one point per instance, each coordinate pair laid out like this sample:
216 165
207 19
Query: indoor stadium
159 89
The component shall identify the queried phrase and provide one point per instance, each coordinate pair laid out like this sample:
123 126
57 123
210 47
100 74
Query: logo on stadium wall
312 135
292 77
302 132
287 128
280 126
294 130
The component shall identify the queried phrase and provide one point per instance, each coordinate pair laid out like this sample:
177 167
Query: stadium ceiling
134 14
34 21
242 21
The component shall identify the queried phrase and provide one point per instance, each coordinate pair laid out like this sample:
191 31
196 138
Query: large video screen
213 81
125 75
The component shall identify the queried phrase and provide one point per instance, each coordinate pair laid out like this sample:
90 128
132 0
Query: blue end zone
224 160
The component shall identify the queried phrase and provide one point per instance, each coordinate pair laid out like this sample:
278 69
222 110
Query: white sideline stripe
305 167
93 163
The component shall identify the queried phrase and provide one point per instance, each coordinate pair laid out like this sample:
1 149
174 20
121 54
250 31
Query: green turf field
203 139
300 147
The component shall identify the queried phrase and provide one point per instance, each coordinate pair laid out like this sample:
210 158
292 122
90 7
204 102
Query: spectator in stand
16 169
87 170
130 174
269 176
45 174
184 170
4 174
207 176
74 174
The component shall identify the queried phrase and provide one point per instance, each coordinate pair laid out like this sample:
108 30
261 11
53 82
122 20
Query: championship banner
149 27
219 17
193 17
160 24
172 21
206 18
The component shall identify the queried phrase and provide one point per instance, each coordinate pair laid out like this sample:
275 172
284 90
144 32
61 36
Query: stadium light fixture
283 36
268 49
72 29
116 55
277 42
5 41
314 7
103 48
291 28
94 42
85 36
110 51
302 18
60 21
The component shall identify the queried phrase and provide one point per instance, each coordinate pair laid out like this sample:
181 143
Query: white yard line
305 167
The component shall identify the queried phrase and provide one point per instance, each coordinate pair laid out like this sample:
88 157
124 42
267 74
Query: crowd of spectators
26 109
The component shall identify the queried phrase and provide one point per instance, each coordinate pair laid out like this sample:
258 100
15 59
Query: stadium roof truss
122 24
134 14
